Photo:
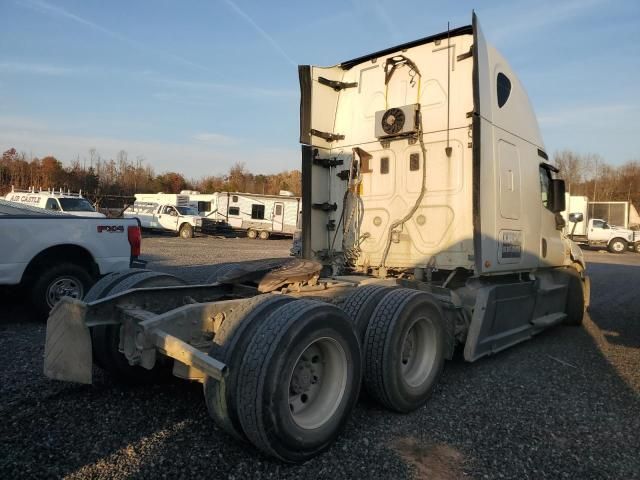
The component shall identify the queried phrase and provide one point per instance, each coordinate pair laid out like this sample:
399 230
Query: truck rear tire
575 298
220 270
106 338
264 235
103 286
361 303
404 349
617 245
56 281
252 234
230 344
186 231
299 380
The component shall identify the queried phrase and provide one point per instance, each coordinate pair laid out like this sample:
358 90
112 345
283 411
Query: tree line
590 175
585 174
124 177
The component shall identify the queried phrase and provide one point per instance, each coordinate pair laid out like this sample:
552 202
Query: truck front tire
575 297
186 231
617 245
299 380
57 281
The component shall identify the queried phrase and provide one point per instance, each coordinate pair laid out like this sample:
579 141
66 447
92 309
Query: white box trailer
429 223
261 216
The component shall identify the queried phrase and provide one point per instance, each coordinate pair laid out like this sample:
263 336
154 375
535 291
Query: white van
55 200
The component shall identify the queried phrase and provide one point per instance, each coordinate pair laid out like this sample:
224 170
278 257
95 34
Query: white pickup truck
600 234
53 255
182 220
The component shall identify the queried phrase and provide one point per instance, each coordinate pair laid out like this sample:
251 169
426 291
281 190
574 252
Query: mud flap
67 351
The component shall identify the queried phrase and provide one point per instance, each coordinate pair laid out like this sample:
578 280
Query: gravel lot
564 405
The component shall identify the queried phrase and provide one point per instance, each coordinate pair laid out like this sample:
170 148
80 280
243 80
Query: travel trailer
430 224
54 200
261 216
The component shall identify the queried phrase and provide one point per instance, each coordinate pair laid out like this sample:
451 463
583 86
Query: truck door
168 218
599 231
278 216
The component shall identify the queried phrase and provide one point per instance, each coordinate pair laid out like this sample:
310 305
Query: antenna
448 149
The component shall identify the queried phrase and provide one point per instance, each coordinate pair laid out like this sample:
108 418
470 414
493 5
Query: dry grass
430 461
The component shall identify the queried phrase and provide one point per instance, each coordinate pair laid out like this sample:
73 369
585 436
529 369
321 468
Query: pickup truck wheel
106 338
404 349
229 345
617 245
576 305
299 380
264 235
361 303
252 234
57 281
186 231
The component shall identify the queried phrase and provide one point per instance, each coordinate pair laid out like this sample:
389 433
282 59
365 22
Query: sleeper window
504 89
545 183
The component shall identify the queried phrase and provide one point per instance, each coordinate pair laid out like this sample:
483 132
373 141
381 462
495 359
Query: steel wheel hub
63 287
318 382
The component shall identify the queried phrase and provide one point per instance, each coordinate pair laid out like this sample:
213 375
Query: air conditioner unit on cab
397 121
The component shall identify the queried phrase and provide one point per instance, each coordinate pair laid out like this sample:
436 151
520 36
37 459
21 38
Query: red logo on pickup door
110 228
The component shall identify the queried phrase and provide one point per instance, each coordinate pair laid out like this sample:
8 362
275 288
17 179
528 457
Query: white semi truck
430 221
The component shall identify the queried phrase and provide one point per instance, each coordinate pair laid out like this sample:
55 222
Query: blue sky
195 86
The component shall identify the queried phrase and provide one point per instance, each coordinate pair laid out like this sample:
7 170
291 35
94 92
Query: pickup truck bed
54 255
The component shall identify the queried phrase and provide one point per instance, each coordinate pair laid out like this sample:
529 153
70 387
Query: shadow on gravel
563 405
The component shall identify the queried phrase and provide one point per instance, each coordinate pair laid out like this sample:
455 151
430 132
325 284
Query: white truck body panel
154 211
24 237
495 152
57 201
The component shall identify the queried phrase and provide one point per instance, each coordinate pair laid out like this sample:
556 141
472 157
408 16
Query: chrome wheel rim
317 383
67 286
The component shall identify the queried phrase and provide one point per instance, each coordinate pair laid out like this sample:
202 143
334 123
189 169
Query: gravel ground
564 405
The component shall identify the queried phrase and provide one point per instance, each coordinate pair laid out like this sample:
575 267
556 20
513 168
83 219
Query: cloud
227 88
195 157
543 15
590 114
59 12
36 68
214 138
276 46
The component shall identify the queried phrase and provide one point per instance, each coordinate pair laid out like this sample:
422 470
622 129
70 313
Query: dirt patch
430 461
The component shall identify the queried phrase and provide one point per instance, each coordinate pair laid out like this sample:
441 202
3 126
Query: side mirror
576 217
557 195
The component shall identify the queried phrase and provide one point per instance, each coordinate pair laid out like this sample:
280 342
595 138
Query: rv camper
261 216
